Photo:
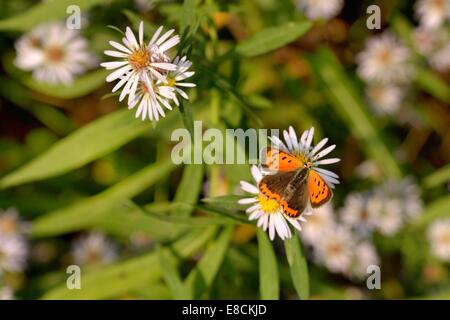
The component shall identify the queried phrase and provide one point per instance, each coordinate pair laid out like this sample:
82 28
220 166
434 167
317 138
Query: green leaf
86 212
81 86
298 266
117 279
188 17
348 104
272 38
438 177
203 275
229 202
269 282
437 209
44 12
88 143
172 278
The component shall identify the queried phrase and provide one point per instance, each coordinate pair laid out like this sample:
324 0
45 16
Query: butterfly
294 182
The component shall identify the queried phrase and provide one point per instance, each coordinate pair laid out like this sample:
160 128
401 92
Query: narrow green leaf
269 282
438 177
229 202
203 275
88 143
44 12
437 209
432 84
111 281
171 276
272 38
80 87
298 266
86 212
188 17
348 104
189 188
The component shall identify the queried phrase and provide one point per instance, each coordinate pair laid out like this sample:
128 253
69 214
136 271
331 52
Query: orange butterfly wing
278 160
319 191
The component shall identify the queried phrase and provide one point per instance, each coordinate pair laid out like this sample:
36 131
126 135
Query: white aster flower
54 53
385 60
354 212
309 154
334 249
175 79
138 61
432 13
13 254
320 9
439 237
364 255
268 212
93 248
318 221
385 99
10 223
385 213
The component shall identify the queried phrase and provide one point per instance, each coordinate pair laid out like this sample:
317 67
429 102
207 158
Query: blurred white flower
432 13
392 204
385 99
385 60
364 255
307 153
334 248
93 248
435 46
368 169
319 220
147 74
54 53
320 9
439 237
440 59
6 293
13 254
268 212
10 223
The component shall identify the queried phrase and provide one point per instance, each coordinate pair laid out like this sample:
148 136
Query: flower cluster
146 73
54 53
335 245
386 208
268 212
13 247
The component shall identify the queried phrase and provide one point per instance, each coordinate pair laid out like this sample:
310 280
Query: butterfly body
294 182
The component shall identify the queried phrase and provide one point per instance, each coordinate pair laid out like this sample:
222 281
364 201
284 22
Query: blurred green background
75 163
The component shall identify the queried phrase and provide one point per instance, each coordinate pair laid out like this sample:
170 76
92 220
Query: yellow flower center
268 205
139 59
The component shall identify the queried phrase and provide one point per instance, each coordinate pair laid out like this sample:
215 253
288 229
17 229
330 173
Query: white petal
256 173
324 152
116 54
131 38
327 172
310 137
120 47
249 187
155 36
118 73
113 64
247 200
327 161
271 227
